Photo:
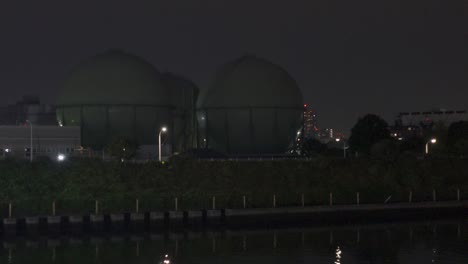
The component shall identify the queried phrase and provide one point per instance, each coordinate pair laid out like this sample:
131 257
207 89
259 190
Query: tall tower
310 122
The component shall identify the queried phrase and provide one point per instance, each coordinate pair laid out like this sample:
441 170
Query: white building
50 141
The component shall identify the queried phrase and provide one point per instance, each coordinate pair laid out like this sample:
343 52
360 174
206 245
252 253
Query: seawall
232 218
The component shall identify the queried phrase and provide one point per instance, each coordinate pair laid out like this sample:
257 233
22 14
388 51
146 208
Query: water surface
412 243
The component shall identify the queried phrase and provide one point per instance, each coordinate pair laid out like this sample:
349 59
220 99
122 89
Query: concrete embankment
248 217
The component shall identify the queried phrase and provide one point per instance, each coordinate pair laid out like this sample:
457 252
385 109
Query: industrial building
48 141
28 108
415 124
430 117
116 94
252 107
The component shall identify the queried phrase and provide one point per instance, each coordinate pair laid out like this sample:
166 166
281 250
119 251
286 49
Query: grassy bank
76 184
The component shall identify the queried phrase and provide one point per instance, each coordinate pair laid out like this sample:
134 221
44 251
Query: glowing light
338 255
338 139
434 140
7 150
163 129
166 259
60 157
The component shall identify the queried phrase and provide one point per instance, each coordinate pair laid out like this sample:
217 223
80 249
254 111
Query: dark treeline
76 184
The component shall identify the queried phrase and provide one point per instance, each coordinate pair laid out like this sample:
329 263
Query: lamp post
163 129
344 146
432 141
30 140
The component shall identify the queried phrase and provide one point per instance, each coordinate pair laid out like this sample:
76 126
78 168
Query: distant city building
325 135
49 141
310 123
430 117
28 108
415 124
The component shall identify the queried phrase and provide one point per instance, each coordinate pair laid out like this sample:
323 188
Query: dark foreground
426 241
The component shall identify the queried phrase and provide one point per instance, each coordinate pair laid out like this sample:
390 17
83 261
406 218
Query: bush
76 184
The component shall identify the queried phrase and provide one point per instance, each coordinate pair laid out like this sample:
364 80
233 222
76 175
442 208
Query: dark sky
349 57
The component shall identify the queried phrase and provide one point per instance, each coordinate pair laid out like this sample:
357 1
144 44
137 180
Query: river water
404 242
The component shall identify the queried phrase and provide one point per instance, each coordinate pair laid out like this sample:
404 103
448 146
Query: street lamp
344 146
163 129
60 157
30 140
432 141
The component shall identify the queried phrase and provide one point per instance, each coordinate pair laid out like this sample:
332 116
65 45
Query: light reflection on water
338 255
417 242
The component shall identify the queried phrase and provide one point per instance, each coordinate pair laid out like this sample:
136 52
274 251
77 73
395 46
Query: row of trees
372 136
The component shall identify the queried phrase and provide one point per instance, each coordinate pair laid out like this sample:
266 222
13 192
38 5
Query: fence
166 202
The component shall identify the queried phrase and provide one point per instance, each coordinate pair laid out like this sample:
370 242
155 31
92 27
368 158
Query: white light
338 255
60 157
337 139
164 129
7 150
299 132
433 141
400 139
204 139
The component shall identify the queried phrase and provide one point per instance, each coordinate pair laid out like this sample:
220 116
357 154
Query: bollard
176 203
10 210
53 208
410 197
213 245
275 240
331 199
214 202
458 194
274 201
53 254
302 200
357 198
137 248
434 195
244 242
96 207
244 201
137 206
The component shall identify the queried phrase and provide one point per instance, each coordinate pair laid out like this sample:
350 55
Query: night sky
349 57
